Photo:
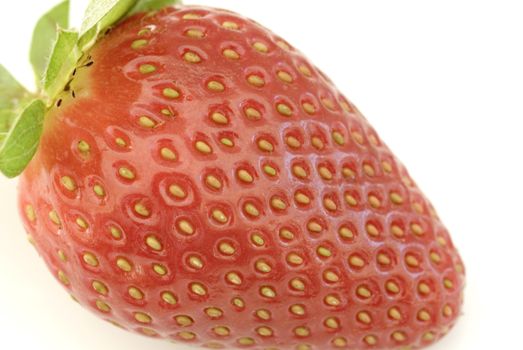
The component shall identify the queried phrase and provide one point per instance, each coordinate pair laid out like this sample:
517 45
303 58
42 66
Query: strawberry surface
200 180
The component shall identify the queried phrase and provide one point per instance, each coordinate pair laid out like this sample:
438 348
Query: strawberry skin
199 180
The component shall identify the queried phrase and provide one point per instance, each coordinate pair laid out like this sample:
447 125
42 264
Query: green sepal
152 5
12 94
44 35
20 144
62 63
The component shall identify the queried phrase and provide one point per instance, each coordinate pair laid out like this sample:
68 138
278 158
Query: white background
442 82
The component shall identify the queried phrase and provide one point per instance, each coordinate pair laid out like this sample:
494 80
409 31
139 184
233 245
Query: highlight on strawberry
187 174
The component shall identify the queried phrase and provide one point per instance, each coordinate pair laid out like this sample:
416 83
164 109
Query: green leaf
44 35
12 93
100 15
63 60
20 144
152 5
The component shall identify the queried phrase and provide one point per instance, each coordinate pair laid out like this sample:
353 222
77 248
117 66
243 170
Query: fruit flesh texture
282 221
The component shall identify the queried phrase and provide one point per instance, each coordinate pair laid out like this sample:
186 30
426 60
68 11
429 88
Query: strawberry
198 179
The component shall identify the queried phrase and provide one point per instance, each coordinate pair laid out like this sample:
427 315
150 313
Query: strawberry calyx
55 53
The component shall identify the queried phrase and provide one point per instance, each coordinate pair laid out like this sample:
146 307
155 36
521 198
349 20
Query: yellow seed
284 109
374 201
348 172
186 335
299 171
177 191
435 257
83 147
215 86
135 293
169 298
392 287
103 306
63 278
213 181
234 278
278 203
214 312
301 331
358 137
364 317
331 276
251 209
203 147
227 142
293 142
153 243
192 57
346 232
448 283
142 317
230 25
62 256
263 266
160 269
383 259
138 44
332 300
294 259
115 232
397 231
238 302
396 198
252 113
285 77
269 170
416 229
429 336
411 261
286 234
226 248
330 204
302 198
371 340
90 259
324 252
297 310
339 342
53 216
195 262
167 154
124 264
394 313
423 315
447 311
345 106
297 284
219 216
191 16
256 80
338 138
30 213
372 230
246 341
147 69
364 292
418 208
263 314
198 289
387 167
260 47
231 54
126 173
369 170
221 331
195 33
351 200
283 45
141 210
219 118
186 227
100 288
264 331
244 176
268 292
148 332
68 183
332 323
356 261
257 240
81 223
170 93
265 145
328 103
99 190
308 107
314 226
399 336
305 70
325 173
441 241
423 288
183 320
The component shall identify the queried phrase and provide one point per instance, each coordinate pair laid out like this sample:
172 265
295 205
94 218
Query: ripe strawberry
200 180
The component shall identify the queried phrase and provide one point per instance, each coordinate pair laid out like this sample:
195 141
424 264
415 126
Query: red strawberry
200 180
